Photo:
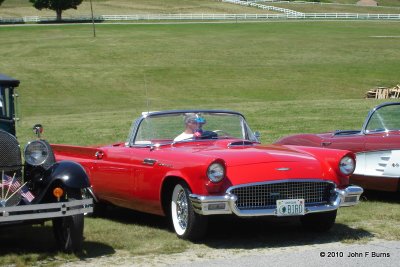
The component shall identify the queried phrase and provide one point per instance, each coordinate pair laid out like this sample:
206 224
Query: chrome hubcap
182 209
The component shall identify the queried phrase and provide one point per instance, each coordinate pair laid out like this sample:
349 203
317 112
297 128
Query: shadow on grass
274 232
232 232
380 196
39 240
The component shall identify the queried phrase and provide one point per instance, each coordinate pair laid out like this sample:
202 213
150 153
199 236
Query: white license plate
290 207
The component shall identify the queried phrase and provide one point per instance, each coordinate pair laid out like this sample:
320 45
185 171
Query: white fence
208 17
264 7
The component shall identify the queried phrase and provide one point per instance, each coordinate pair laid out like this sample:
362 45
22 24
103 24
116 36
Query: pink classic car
377 147
189 165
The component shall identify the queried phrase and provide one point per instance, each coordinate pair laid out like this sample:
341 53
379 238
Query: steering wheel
221 132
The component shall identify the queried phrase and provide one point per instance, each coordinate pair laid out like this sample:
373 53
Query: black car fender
69 174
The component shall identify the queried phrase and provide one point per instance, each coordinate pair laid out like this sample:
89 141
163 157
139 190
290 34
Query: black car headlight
347 165
216 172
36 153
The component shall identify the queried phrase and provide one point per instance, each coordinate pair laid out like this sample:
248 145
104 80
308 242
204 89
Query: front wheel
319 222
68 232
187 223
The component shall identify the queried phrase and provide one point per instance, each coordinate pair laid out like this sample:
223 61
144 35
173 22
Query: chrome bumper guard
212 205
45 211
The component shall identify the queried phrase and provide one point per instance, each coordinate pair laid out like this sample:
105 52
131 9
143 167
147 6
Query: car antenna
146 92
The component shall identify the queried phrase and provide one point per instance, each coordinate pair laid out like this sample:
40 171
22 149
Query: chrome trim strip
46 211
150 162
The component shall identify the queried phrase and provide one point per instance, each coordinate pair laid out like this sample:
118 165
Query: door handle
150 162
326 143
99 154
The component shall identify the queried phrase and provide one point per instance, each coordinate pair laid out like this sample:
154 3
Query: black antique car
40 188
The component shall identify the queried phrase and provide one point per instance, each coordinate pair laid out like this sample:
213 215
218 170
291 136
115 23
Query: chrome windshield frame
136 123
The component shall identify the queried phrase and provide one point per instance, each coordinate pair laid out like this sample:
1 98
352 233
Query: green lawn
338 8
21 8
286 77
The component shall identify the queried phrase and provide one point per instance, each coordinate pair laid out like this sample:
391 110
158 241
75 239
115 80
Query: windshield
5 107
384 119
190 126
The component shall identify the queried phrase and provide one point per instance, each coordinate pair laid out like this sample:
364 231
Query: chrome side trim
349 196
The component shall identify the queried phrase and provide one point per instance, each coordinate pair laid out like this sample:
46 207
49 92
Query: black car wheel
68 231
186 222
319 222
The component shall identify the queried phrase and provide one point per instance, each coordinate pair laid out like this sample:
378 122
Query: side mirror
257 135
37 130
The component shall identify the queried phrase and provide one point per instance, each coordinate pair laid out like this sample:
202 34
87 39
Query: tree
1 2
57 5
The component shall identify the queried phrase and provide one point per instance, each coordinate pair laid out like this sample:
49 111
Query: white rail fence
207 17
265 7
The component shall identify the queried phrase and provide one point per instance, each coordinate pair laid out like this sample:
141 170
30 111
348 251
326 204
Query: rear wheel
186 222
68 231
319 222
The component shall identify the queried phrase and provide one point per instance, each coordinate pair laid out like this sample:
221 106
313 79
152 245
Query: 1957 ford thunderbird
377 147
192 164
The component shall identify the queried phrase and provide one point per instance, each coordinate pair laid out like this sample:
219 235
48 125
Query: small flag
26 194
11 183
14 185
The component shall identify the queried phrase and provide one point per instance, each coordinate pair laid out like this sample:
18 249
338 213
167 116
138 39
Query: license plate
290 207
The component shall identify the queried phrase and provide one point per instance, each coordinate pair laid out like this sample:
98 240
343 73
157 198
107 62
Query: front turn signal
58 192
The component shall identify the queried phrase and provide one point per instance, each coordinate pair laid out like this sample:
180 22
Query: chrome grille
264 196
10 170
10 154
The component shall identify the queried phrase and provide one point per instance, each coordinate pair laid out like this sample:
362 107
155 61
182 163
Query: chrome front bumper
212 205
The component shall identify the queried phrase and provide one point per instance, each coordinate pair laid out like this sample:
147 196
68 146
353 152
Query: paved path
375 253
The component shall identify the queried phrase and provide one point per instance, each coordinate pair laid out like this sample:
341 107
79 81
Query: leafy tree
1 1
57 5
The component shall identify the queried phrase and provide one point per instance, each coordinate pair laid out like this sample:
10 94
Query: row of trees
57 5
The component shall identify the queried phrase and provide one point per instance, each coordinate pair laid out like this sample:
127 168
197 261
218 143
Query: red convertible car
192 164
376 145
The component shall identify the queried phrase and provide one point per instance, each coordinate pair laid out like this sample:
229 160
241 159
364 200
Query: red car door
354 142
112 175
382 141
148 173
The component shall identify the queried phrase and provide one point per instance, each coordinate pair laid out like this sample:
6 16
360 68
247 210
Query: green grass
21 8
286 77
339 8
276 73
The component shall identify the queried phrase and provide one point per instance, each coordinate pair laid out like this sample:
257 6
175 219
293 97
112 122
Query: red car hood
256 163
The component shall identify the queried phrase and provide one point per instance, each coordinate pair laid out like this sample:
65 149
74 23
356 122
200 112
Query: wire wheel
179 210
187 223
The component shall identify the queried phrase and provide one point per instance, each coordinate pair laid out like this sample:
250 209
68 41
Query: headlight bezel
347 165
36 156
216 172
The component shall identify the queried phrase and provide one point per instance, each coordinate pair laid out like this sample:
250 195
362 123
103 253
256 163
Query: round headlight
216 172
347 165
36 153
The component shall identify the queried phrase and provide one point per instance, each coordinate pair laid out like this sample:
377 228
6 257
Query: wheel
319 222
186 222
68 231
